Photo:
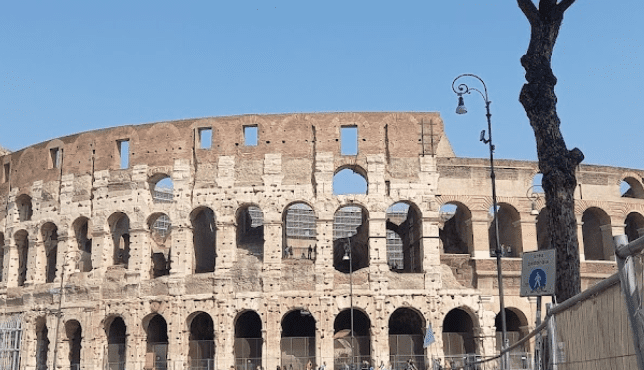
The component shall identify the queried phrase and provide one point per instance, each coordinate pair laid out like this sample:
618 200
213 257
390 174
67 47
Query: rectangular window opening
7 172
349 140
54 154
124 153
250 135
205 138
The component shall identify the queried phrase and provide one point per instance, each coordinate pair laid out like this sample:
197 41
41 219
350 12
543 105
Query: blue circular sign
537 280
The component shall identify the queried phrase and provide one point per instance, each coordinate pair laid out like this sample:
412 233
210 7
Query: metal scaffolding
10 339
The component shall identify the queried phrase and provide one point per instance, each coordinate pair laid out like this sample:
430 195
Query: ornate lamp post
460 90
348 256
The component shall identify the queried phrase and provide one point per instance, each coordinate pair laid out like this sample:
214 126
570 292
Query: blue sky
77 65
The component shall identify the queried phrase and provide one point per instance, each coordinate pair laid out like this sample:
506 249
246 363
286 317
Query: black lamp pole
460 90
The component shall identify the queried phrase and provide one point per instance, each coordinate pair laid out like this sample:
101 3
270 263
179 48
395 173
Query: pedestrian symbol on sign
537 280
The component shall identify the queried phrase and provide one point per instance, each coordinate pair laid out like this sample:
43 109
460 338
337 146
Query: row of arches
352 338
299 241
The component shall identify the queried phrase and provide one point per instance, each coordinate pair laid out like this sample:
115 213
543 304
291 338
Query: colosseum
224 243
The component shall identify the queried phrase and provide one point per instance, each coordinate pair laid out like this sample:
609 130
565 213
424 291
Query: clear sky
74 66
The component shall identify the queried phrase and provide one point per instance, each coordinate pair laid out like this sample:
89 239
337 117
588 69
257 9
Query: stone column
380 333
102 251
377 251
580 238
431 251
35 263
139 262
325 327
607 238
529 233
226 243
271 350
480 233
182 250
11 263
324 257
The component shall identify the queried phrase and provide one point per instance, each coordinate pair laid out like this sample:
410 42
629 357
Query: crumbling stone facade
224 281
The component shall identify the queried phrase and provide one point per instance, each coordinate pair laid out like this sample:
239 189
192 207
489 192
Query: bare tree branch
564 4
529 9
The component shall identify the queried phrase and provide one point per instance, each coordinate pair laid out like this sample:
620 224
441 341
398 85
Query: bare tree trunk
556 162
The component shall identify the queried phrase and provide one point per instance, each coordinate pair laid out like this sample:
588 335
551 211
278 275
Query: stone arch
204 239
24 207
404 230
351 346
406 326
510 236
350 179
455 228
248 340
634 226
161 188
160 227
82 227
49 234
458 332
74 335
597 235
516 325
299 235
250 230
119 224
156 330
632 187
21 238
201 340
42 343
350 238
298 339
116 332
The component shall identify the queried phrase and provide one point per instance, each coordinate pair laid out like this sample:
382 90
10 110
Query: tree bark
556 162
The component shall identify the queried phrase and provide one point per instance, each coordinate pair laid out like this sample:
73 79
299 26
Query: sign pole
538 339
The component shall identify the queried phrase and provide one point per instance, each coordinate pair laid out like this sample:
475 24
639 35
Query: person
310 252
309 365
382 365
323 367
410 365
278 367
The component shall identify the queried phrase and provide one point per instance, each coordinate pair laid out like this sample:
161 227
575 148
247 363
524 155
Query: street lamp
460 90
75 257
348 256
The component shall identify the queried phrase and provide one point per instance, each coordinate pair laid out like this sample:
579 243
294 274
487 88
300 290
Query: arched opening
298 339
455 228
157 343
350 239
204 237
162 188
634 226
248 341
202 342
84 243
160 227
351 180
120 229
406 338
250 231
404 238
543 229
22 245
299 233
509 231
25 209
74 338
631 188
597 235
516 325
458 337
49 233
352 347
42 343
116 344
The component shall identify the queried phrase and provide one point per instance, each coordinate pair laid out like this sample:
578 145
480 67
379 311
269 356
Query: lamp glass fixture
461 106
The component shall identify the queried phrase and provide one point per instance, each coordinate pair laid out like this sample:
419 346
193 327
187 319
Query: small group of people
310 254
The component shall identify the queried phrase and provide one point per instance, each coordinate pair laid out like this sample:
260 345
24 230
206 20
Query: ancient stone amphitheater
222 242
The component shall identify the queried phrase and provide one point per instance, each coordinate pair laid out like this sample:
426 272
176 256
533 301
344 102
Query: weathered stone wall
404 157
